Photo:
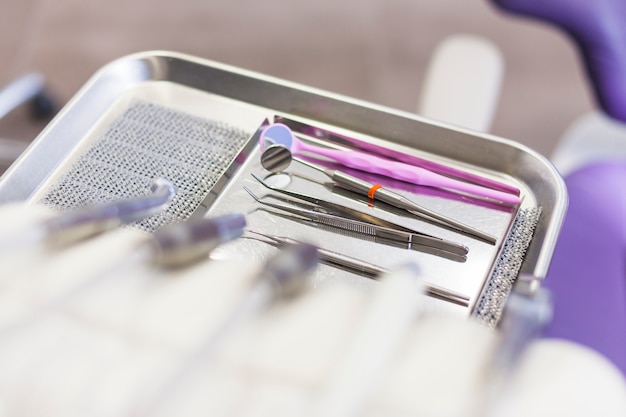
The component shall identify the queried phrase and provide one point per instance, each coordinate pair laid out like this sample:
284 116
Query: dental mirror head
276 134
276 158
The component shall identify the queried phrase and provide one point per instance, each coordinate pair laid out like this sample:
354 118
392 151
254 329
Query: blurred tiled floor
375 50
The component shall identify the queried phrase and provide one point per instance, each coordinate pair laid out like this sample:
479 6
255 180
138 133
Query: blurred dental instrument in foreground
281 277
79 224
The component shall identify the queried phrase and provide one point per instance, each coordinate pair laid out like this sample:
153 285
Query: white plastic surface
462 83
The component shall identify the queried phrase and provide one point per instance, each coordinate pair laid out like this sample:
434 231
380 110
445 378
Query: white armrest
462 83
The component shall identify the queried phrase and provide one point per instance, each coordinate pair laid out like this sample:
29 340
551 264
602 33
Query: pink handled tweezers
278 133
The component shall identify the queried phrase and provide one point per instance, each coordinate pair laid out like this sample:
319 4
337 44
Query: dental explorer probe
376 191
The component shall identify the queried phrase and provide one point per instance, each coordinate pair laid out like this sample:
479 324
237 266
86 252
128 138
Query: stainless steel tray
243 99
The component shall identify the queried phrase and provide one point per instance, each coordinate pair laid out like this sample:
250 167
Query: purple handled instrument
281 134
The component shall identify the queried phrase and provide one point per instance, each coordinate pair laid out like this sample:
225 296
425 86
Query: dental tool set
373 191
159 242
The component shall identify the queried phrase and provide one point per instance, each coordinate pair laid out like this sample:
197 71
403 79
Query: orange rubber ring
373 190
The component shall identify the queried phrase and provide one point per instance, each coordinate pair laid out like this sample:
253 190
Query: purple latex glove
587 275
599 29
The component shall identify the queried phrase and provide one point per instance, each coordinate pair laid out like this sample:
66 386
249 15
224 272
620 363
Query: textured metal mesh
145 142
506 269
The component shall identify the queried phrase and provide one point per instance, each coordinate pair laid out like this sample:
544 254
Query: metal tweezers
337 215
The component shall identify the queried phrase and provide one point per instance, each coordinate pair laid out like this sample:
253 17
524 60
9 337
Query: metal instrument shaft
375 191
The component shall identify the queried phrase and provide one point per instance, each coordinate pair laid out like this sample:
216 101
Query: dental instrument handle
364 361
285 271
525 316
281 276
349 262
408 173
91 220
466 175
376 191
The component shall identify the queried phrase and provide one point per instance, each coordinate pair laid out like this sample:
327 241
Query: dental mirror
276 158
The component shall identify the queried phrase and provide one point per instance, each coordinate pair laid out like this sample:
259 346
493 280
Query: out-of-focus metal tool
280 277
181 244
75 225
88 221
